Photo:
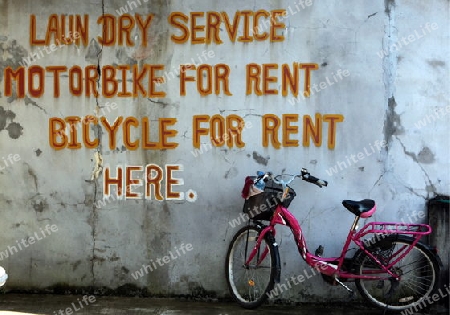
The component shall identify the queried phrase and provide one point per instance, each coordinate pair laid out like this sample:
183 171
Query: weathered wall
399 96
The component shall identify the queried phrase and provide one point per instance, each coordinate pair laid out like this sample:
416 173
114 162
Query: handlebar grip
315 180
323 183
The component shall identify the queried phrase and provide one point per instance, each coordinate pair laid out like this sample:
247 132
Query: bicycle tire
250 290
419 271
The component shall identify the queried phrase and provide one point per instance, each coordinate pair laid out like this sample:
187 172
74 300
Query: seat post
355 223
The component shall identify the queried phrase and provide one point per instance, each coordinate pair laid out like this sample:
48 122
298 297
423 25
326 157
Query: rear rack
394 228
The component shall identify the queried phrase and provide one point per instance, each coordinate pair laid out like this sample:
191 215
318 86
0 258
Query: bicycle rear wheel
418 271
250 285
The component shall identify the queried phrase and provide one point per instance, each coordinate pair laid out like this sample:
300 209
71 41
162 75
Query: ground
36 304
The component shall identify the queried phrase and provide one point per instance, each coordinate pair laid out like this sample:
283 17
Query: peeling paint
260 159
392 124
388 6
436 63
98 165
5 116
14 130
98 133
39 203
425 156
93 51
428 157
431 189
11 54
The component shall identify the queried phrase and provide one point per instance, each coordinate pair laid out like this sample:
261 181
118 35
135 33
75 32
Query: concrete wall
382 65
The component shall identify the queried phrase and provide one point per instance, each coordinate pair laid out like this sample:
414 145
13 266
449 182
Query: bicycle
392 270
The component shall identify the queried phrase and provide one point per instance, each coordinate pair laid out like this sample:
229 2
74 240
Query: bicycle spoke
417 277
249 284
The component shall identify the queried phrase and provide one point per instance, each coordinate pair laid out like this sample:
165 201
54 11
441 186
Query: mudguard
277 265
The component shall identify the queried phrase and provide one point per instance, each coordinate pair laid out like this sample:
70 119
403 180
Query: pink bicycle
391 269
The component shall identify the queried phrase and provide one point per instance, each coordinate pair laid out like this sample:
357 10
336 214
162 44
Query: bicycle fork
256 251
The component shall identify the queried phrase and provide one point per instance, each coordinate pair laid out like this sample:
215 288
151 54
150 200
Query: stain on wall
260 159
7 123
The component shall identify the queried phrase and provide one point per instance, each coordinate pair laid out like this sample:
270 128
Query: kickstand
351 292
394 287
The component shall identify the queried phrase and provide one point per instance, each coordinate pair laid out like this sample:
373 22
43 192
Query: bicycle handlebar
305 175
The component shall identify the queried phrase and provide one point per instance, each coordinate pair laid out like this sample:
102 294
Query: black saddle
359 207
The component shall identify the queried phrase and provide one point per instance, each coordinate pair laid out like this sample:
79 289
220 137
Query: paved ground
21 304
34 304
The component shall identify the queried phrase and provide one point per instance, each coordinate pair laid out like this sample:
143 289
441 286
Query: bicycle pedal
319 251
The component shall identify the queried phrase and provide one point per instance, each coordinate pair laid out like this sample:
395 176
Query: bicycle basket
263 205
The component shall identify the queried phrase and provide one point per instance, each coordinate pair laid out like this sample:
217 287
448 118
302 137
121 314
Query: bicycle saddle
364 208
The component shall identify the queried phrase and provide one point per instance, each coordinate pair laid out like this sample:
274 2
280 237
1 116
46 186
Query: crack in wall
222 111
158 102
29 101
378 180
392 122
373 14
98 159
410 189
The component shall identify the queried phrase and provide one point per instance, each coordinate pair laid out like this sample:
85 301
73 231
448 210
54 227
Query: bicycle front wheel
418 271
250 284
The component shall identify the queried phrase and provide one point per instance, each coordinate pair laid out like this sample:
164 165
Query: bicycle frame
333 266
